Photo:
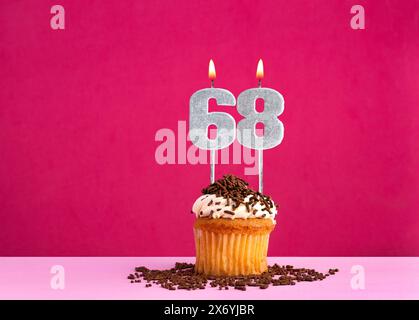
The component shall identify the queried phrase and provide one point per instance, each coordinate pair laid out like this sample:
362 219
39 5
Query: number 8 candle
273 128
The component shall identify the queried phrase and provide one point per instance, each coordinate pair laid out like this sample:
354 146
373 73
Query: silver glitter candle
273 132
200 119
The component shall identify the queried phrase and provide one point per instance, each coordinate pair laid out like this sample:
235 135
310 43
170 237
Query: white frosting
209 205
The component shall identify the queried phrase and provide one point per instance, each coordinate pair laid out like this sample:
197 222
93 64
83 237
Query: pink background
79 109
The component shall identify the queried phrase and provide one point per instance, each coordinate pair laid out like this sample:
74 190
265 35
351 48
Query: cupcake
232 228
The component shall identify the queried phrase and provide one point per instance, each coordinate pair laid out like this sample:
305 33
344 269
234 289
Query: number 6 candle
200 119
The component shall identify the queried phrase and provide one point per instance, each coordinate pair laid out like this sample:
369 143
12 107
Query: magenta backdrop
79 109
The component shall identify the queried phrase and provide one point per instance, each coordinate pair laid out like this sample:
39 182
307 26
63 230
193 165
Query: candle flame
211 70
259 71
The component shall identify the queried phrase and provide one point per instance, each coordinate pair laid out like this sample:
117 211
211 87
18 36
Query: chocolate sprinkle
183 276
236 190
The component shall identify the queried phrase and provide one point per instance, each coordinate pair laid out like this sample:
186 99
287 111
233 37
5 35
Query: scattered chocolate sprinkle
242 288
210 203
219 209
333 271
183 276
229 212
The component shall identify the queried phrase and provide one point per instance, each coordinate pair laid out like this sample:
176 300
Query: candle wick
212 83
259 83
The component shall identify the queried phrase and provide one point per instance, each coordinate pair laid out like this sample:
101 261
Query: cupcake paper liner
219 253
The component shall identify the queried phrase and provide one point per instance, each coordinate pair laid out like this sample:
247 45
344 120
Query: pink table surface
105 278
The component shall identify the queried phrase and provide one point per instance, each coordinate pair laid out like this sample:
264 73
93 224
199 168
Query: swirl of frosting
211 206
231 198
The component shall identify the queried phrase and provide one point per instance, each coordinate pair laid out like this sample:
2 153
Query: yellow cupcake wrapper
230 253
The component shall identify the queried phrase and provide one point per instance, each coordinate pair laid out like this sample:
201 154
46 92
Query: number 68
200 119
